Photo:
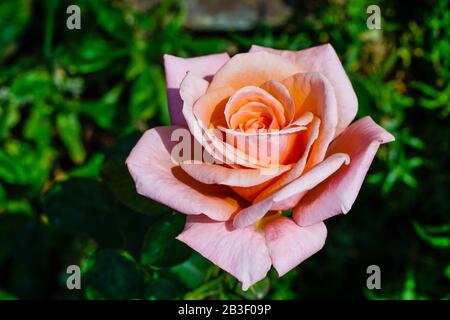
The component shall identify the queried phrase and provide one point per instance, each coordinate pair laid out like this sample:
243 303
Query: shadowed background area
74 102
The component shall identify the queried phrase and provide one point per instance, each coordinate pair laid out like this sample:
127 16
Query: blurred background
74 102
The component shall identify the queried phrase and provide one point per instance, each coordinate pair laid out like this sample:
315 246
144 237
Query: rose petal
273 147
208 110
337 195
176 68
158 177
250 193
251 112
289 244
245 69
324 59
248 253
303 120
254 94
313 93
217 174
281 93
298 167
311 178
306 182
241 252
192 88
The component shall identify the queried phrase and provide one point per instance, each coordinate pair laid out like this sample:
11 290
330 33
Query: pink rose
298 104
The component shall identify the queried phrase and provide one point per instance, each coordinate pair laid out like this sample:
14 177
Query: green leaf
433 235
206 290
83 207
257 291
33 85
22 164
112 274
91 169
15 206
103 110
133 228
70 132
409 286
30 263
111 18
9 117
51 7
6 296
161 249
10 225
14 17
119 181
38 126
447 272
90 54
161 289
143 101
193 271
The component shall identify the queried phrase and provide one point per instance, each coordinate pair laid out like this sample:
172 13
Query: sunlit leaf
434 237
70 132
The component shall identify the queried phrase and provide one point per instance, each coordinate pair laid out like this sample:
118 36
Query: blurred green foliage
74 102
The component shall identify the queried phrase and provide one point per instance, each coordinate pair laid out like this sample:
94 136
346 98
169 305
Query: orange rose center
252 109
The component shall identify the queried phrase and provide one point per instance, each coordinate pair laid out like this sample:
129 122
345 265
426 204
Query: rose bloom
300 105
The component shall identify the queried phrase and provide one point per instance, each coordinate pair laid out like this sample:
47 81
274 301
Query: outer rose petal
193 91
246 69
337 195
241 252
192 88
289 245
159 178
248 253
176 69
324 59
313 93
277 201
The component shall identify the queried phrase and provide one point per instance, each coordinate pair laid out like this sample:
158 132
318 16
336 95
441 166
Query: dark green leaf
14 16
112 274
118 179
161 249
193 271
83 207
161 289
10 225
